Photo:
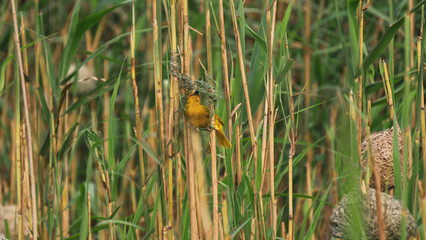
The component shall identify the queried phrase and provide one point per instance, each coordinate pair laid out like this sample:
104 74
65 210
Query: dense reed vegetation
94 143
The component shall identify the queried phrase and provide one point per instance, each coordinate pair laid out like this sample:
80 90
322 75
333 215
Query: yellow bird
199 116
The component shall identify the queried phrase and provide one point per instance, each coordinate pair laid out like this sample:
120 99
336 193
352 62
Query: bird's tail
222 140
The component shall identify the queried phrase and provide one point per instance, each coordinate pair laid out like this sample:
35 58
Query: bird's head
194 97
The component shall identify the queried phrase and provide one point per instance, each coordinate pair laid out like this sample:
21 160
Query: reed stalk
292 151
137 109
27 122
225 220
243 73
135 95
173 95
105 113
159 218
307 54
174 106
198 204
359 79
371 162
191 133
210 77
422 112
158 80
25 177
271 114
18 161
263 159
89 209
190 183
24 43
253 229
388 89
238 149
422 202
225 74
283 234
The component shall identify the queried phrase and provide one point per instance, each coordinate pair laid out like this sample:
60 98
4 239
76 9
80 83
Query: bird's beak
194 93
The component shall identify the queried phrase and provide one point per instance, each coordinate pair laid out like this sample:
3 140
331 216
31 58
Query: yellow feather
199 116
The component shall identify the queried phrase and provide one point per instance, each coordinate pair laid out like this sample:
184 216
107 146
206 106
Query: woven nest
343 219
381 149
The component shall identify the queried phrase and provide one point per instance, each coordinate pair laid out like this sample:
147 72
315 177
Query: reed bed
94 142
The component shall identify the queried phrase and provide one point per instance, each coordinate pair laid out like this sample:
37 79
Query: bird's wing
219 119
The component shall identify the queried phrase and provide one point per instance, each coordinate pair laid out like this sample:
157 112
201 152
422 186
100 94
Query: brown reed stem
190 183
307 54
243 74
283 230
89 209
135 95
292 141
173 104
225 76
191 134
158 82
25 175
173 44
372 164
24 43
422 202
422 108
263 159
271 111
18 160
178 132
27 122
253 229
209 76
198 202
225 219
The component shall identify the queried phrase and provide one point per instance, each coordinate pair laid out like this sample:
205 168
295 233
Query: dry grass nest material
382 153
345 217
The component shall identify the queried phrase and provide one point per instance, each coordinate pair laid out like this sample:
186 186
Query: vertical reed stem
371 162
238 149
292 140
191 134
422 112
157 78
27 122
225 219
215 229
359 80
225 76
243 74
18 160
271 111
135 95
422 203
89 209
307 80
174 104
